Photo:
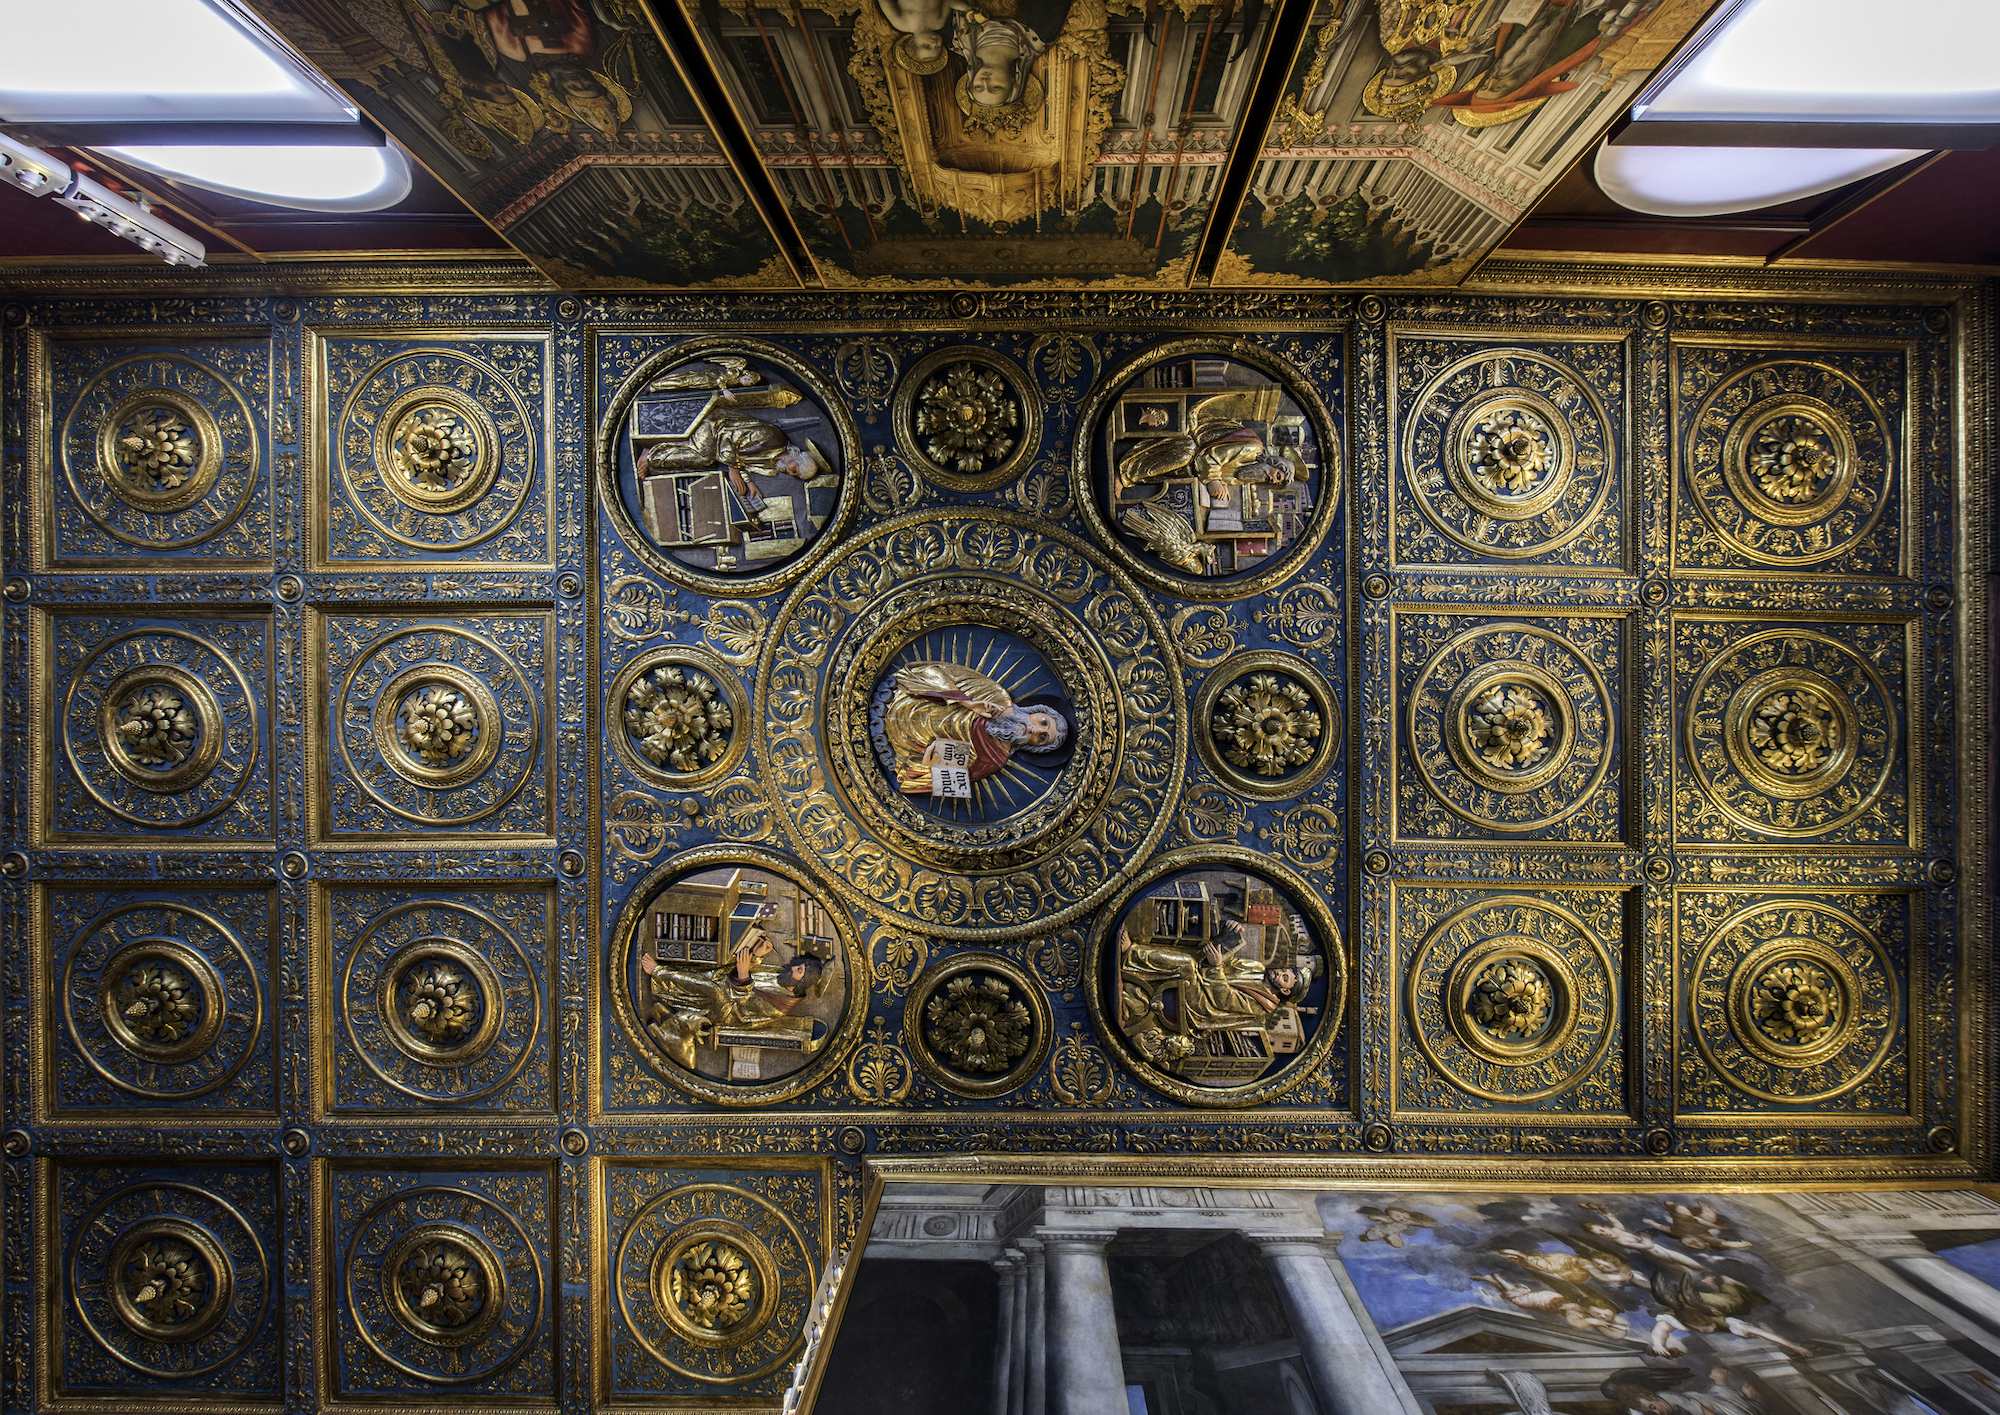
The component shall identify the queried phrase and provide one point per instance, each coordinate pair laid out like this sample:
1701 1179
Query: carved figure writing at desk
693 1007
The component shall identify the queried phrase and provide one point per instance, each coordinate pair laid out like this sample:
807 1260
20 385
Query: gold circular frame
1843 703
1296 385
221 1280
840 1039
754 1251
1777 953
1743 704
197 970
1457 434
1028 435
485 454
482 1257
1458 739
1319 920
1566 1009
1742 482
710 665
1562 1004
951 1078
1235 669
208 720
687 576
208 461
413 1043
1775 950
389 714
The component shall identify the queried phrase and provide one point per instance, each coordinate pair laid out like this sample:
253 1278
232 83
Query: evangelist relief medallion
1208 467
723 464
736 978
1220 985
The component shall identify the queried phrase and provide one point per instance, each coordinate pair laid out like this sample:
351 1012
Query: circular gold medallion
160 450
436 725
1513 999
442 1002
1512 454
161 727
715 1283
437 450
169 1280
1793 1002
444 1284
1791 731
967 417
1791 458
682 717
977 1024
162 1001
1267 723
1510 726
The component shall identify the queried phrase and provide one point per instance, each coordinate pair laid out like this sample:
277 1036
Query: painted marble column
1003 1329
1037 1402
1017 1335
1346 1367
1086 1371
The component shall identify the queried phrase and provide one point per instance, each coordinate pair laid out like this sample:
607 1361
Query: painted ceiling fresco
1023 142
1205 1301
564 123
520 805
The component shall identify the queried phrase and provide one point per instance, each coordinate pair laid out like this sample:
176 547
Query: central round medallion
713 1284
438 450
444 1284
161 1001
1511 728
1510 454
442 1002
972 725
169 1280
437 725
160 728
161 451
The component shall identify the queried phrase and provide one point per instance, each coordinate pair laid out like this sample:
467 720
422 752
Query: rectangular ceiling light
1839 65
153 61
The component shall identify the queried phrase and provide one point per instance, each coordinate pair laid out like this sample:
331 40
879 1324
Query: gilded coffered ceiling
896 143
517 801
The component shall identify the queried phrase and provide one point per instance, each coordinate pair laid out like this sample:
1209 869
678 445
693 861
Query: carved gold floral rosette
400 698
1237 671
921 386
169 1280
1801 759
971 972
134 467
194 699
442 479
692 660
414 980
447 1255
1865 999
1327 946
629 1010
1790 458
1331 473
847 459
715 1283
1047 862
162 1001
